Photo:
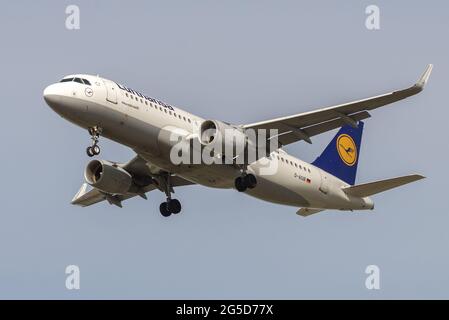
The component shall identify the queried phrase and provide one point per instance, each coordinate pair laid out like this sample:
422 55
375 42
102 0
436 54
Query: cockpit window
79 80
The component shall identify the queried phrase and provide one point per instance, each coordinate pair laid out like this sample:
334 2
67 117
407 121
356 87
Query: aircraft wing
137 167
305 125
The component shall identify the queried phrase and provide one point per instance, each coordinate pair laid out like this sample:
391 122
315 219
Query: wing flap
290 137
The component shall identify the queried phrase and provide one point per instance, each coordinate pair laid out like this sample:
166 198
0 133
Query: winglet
81 192
425 77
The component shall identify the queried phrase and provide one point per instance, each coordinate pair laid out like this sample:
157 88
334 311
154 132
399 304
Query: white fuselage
144 124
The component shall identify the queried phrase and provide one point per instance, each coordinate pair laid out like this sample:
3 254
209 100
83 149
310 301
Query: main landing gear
171 205
245 181
94 149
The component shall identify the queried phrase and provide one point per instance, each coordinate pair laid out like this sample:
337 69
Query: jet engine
108 177
224 138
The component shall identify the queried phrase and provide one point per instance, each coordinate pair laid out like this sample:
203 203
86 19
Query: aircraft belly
214 176
223 176
271 191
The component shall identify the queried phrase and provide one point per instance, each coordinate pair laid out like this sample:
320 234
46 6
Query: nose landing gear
94 149
246 181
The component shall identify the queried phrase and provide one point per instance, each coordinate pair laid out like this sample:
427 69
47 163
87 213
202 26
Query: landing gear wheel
95 133
174 206
96 149
163 208
250 181
240 184
90 151
171 205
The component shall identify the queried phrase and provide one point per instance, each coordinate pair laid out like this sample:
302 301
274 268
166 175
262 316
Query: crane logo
89 92
346 149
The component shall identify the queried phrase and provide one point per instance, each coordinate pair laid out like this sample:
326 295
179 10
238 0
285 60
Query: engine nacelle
224 137
108 177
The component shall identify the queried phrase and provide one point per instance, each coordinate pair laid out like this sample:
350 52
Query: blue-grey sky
238 61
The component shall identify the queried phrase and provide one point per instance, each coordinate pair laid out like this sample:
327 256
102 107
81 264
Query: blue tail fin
341 156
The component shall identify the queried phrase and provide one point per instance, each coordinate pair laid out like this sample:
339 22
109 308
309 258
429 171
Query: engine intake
223 137
108 177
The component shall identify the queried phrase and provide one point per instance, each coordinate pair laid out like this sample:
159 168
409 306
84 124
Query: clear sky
238 61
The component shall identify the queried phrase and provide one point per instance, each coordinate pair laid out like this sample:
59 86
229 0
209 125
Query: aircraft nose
61 99
51 95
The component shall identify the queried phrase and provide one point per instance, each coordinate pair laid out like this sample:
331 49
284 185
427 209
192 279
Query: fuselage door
324 185
111 91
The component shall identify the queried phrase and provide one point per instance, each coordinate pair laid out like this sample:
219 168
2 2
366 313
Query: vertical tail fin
341 156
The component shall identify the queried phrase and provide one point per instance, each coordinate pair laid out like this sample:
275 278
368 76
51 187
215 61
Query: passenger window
189 120
184 118
127 95
146 102
296 165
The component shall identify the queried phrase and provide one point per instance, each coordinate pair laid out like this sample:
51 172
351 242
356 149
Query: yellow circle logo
346 149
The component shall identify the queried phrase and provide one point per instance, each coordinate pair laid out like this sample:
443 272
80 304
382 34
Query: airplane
109 109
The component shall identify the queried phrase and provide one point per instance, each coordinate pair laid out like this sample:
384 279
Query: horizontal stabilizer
305 212
371 188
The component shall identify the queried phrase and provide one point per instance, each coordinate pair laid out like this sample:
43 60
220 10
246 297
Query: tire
163 208
90 152
96 150
250 181
174 206
240 184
